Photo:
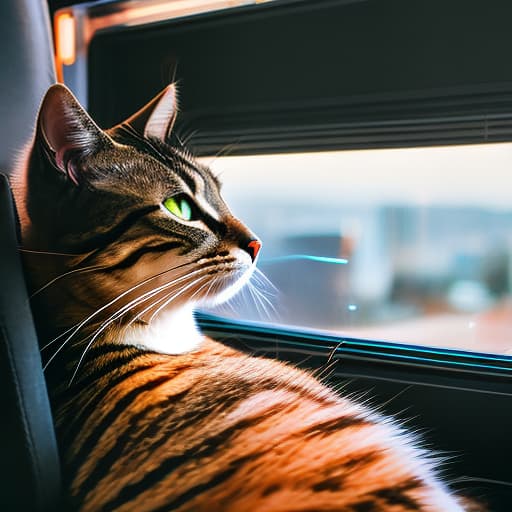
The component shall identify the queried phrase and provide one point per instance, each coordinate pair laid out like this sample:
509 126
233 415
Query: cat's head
130 221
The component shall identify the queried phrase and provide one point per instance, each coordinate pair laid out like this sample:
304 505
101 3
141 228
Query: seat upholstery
29 465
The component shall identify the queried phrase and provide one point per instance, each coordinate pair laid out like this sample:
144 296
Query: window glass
409 245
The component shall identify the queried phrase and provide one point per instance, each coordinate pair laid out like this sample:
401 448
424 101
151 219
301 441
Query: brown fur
220 430
210 429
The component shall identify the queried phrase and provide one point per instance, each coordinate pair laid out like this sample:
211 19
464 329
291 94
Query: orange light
65 37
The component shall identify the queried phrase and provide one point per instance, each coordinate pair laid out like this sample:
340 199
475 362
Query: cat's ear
68 131
157 118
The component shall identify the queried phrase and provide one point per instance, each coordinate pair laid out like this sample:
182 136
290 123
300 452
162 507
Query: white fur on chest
173 332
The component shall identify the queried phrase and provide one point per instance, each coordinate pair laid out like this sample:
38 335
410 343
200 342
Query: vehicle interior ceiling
330 76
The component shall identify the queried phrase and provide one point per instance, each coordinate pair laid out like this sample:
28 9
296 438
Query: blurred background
426 232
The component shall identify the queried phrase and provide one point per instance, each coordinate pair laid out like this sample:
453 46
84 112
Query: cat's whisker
396 395
261 294
264 289
185 138
259 275
269 308
141 299
196 293
258 281
225 150
170 297
260 298
113 317
247 300
266 284
269 296
61 335
237 300
48 253
75 271
148 295
76 327
110 320
207 283
209 289
481 480
326 370
241 300
255 300
137 301
149 308
185 288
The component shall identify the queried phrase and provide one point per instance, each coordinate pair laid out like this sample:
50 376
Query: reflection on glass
410 245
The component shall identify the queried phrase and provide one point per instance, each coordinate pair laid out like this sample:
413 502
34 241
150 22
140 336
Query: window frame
368 358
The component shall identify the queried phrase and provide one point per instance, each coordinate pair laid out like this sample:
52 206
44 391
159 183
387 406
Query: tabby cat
123 234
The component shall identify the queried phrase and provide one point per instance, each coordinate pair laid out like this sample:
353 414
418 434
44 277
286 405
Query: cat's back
220 430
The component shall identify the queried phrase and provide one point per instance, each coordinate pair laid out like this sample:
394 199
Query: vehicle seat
29 464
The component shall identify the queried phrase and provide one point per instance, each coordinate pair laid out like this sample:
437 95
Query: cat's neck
172 332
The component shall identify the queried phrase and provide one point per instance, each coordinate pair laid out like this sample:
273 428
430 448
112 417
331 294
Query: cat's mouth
207 282
227 278
226 283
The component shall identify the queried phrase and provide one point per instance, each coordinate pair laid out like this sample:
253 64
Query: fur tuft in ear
157 118
68 131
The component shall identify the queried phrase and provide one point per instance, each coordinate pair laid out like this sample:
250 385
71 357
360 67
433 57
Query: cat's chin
172 332
232 287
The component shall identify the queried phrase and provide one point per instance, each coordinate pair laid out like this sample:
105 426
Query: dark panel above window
319 74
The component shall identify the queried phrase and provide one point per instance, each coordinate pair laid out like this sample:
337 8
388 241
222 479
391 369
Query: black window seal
357 357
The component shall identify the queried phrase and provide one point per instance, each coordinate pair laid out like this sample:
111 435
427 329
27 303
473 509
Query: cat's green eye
179 207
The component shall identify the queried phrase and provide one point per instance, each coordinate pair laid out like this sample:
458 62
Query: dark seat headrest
29 465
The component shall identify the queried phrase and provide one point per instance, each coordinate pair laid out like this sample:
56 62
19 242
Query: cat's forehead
182 166
198 177
152 164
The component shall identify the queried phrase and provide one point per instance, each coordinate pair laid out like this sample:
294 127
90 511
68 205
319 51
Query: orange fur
291 443
208 430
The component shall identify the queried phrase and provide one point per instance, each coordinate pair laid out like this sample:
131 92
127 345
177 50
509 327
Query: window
425 230
406 245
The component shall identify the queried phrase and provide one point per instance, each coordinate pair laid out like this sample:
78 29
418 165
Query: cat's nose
253 248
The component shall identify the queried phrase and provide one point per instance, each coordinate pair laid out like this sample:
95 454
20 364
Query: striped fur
184 423
219 430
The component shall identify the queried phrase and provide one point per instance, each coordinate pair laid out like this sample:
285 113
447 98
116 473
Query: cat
123 235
